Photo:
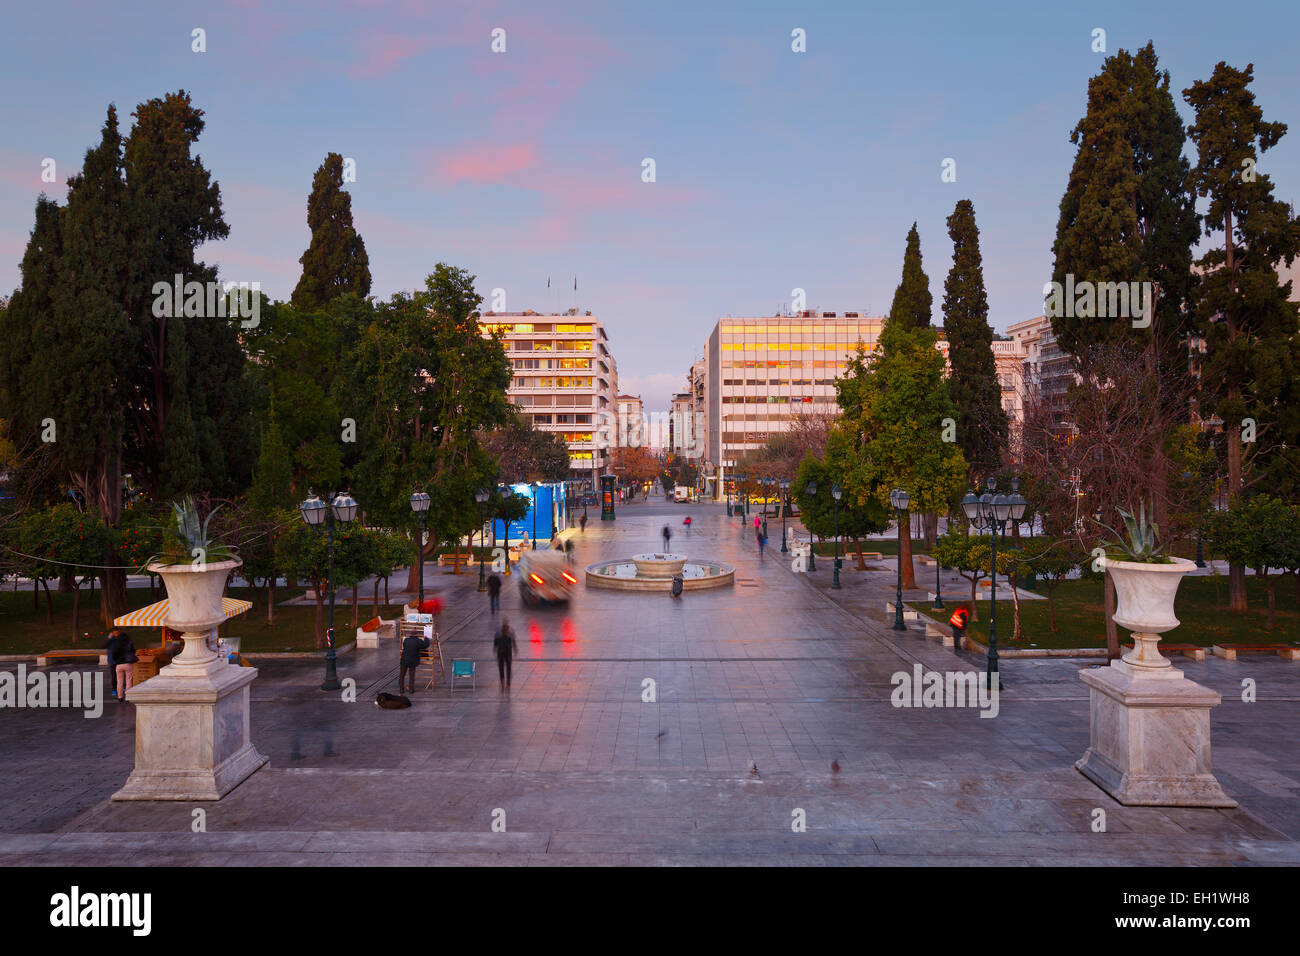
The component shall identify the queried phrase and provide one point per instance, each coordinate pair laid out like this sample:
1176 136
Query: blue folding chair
462 669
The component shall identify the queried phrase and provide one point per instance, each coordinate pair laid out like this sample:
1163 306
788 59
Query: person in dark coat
121 662
411 648
506 647
494 592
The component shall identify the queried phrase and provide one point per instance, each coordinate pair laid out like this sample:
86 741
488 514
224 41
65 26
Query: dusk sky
774 169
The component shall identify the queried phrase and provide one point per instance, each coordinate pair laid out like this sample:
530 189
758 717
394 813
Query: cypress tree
973 382
1126 215
912 300
1252 357
335 262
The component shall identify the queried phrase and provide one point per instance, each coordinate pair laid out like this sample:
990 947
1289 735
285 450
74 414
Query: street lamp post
420 504
1200 517
505 524
785 506
533 485
993 512
316 512
811 488
938 587
837 494
481 496
900 499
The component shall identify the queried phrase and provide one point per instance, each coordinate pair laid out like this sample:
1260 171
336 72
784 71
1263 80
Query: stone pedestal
191 733
1149 730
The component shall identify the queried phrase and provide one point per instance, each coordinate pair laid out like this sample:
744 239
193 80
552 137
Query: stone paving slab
788 674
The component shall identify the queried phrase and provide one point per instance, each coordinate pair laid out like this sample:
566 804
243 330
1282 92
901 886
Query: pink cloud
485 163
384 52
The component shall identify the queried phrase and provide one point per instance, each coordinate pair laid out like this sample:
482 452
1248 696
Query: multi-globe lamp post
481 496
785 506
900 499
837 493
420 505
316 513
992 512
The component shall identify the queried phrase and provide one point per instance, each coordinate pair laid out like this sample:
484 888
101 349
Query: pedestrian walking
668 536
568 550
757 526
506 647
121 661
687 522
410 660
762 543
582 522
494 592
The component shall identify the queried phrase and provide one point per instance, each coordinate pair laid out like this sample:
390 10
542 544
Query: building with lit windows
758 373
566 381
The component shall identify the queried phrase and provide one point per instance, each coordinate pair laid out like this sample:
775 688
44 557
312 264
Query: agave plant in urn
194 568
1146 583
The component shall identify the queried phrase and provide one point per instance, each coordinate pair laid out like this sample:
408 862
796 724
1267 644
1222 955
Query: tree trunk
857 546
930 523
355 588
66 577
1015 609
905 557
386 600
76 610
36 593
270 601
974 602
1112 631
374 597
49 602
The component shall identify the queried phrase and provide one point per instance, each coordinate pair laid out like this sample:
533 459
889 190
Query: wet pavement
778 671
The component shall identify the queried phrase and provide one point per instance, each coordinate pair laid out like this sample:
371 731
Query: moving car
545 577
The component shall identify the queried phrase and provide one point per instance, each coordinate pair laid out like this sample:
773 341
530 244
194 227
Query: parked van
681 493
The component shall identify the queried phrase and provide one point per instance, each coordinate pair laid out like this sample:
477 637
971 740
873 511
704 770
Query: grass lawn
1201 607
24 631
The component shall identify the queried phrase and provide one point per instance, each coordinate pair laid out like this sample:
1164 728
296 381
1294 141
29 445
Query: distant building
630 425
566 381
759 372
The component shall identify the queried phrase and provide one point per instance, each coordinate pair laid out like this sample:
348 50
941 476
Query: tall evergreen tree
273 477
891 433
335 262
30 395
1252 358
1127 215
912 300
973 381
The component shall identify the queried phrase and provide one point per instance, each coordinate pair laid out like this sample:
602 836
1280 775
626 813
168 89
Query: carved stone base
1150 737
192 733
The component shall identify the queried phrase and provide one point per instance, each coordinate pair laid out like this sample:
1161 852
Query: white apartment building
759 372
565 380
630 426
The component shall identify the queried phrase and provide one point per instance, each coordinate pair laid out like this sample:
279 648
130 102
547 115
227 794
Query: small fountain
655 572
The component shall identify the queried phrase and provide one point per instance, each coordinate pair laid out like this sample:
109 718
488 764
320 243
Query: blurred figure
582 522
410 660
687 522
506 647
568 550
668 536
494 592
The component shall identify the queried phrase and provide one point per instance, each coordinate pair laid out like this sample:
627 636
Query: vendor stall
149 660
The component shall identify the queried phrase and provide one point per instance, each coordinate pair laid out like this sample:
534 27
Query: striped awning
153 615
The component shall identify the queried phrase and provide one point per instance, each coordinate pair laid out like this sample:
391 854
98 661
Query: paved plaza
777 670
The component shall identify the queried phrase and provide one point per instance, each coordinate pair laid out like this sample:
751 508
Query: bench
938 632
926 560
908 613
43 660
1229 652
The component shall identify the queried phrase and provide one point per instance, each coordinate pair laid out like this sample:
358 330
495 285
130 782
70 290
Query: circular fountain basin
666 565
624 574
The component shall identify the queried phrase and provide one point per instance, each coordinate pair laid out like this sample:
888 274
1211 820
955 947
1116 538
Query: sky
774 170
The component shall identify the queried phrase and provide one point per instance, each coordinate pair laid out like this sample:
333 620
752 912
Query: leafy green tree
1050 562
969 555
302 551
335 262
1263 533
273 475
525 453
912 303
857 519
64 535
1251 371
973 382
891 434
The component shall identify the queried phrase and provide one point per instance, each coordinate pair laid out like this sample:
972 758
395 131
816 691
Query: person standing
668 536
582 522
494 592
506 647
958 621
122 658
410 662
568 550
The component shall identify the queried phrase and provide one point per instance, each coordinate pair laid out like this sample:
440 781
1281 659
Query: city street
773 675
